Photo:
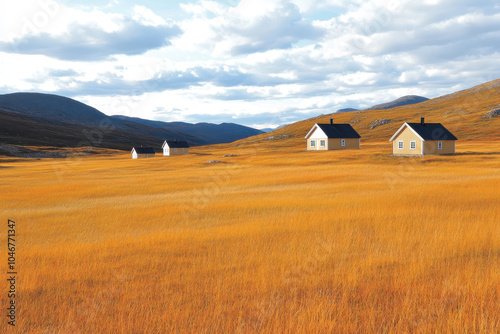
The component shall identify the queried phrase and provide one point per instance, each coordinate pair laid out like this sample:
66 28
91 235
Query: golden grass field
274 240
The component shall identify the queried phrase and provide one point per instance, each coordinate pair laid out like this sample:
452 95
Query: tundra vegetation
292 241
274 240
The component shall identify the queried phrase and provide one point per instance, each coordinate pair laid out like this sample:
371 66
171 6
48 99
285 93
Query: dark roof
177 143
339 131
144 150
432 131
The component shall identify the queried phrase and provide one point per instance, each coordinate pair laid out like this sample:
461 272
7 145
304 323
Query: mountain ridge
469 114
212 133
402 101
62 109
52 120
399 102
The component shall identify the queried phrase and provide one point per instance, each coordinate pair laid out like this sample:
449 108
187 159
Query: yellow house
324 137
175 147
423 139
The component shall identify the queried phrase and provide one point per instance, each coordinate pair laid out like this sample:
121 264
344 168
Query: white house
142 152
325 137
175 147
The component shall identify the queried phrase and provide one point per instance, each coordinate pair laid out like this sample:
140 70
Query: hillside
34 119
402 101
469 114
211 133
22 130
270 236
346 110
285 241
53 108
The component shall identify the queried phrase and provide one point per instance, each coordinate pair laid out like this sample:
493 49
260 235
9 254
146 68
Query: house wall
142 156
179 151
317 136
431 147
336 143
407 135
318 146
427 147
330 143
333 144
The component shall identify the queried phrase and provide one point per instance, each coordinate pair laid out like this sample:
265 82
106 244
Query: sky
260 63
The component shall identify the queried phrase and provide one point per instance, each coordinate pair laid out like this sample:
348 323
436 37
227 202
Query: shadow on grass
476 153
200 154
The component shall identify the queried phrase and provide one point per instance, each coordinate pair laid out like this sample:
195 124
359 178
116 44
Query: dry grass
270 241
463 113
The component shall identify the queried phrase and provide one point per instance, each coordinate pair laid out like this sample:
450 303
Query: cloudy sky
260 63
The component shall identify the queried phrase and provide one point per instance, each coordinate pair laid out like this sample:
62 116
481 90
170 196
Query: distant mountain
53 108
51 120
346 110
471 114
402 101
272 129
210 133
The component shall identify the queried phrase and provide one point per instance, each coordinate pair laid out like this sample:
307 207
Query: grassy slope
274 240
268 242
462 113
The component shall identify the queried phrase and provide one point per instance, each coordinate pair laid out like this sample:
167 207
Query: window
440 145
413 145
322 143
342 142
140 155
182 150
175 150
313 143
401 144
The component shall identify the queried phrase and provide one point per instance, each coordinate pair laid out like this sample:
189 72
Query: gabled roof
336 130
176 144
144 150
427 131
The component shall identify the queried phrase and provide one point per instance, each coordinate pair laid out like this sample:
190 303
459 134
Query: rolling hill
469 114
209 132
402 101
52 108
34 119
270 239
346 110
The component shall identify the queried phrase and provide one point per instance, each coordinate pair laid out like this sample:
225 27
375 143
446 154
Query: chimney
331 121
422 121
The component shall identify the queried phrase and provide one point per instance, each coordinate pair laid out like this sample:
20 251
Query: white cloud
146 16
359 78
70 34
252 26
263 62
